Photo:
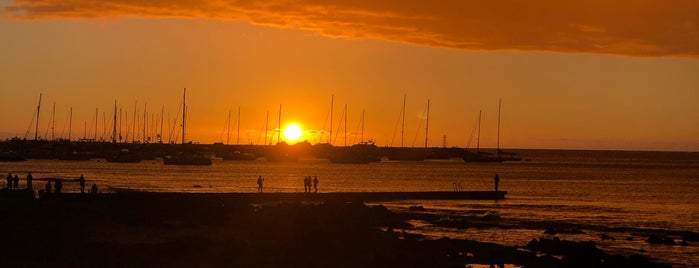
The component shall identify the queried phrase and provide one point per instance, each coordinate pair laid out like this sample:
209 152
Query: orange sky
588 75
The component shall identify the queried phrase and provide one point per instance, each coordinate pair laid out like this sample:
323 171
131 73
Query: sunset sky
571 74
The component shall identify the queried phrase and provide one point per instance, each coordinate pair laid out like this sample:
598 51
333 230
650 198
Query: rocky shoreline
219 230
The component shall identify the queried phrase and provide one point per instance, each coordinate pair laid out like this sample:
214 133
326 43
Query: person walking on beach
307 183
497 181
29 181
306 189
259 183
315 183
16 182
82 183
9 181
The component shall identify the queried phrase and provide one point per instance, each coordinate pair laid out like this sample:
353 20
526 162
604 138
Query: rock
416 208
607 237
658 240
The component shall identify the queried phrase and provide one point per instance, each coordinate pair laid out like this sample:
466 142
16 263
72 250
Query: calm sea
620 194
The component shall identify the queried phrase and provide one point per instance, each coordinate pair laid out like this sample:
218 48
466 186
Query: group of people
307 182
13 184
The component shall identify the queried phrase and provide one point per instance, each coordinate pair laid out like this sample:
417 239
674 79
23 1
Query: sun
292 132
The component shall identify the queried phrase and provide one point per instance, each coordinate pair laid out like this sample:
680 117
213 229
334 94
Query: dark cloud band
633 27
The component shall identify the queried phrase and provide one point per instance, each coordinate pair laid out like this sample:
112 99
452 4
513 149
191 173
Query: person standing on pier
29 181
259 183
82 183
9 181
497 181
16 182
315 183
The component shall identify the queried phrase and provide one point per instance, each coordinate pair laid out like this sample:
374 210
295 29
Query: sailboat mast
114 129
121 123
266 127
237 138
133 128
104 126
97 112
38 112
497 152
402 127
478 139
162 116
228 127
427 125
345 125
279 125
362 135
70 123
332 103
145 122
53 121
184 113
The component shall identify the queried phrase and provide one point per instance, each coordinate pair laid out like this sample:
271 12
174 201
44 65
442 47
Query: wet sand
224 230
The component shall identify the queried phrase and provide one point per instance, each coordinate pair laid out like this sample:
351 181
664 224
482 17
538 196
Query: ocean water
624 195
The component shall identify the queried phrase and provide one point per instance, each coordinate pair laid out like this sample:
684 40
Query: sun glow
292 132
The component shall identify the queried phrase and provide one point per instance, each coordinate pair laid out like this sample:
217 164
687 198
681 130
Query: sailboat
183 157
479 156
503 156
404 153
226 152
282 151
361 153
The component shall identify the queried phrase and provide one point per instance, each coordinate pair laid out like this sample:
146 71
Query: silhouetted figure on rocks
93 189
9 181
315 183
57 186
82 183
47 187
15 182
29 181
497 181
259 183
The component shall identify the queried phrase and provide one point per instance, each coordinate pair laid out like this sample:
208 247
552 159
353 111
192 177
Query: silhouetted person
305 184
9 181
93 189
259 183
82 183
315 183
29 181
497 181
47 187
57 186
15 182
308 183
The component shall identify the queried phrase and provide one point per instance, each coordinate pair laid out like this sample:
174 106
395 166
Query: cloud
625 27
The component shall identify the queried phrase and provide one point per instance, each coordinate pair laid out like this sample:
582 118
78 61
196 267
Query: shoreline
193 229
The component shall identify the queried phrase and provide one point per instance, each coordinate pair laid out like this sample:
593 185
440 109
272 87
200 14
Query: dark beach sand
233 230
